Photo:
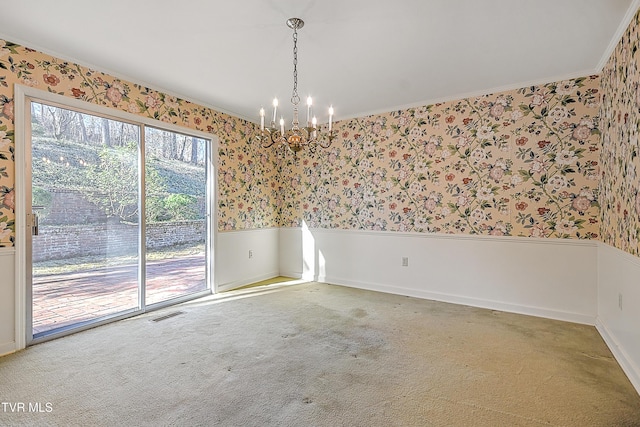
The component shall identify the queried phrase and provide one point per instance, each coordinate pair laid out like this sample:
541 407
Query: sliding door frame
23 97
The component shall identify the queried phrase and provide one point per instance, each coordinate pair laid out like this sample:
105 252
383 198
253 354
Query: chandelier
298 137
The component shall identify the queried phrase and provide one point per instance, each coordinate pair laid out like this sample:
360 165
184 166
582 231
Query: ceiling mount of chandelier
298 137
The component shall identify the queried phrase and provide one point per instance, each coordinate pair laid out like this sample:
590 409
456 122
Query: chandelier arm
269 137
325 143
269 142
312 147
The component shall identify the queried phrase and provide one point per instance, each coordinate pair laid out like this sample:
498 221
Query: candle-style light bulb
330 117
282 125
309 102
275 109
314 123
262 119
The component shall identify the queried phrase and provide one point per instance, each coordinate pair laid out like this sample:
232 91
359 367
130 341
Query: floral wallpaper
518 163
620 119
244 171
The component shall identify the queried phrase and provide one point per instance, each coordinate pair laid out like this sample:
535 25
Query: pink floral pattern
521 163
244 171
619 186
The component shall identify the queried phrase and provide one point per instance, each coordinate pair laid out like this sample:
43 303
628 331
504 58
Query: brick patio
64 299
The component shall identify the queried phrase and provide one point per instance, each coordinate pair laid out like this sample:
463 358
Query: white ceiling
362 56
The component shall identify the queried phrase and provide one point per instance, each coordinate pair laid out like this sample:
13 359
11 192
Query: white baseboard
449 298
7 348
292 274
627 363
248 281
462 300
618 302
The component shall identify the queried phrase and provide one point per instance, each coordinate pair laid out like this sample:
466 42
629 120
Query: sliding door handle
36 225
34 222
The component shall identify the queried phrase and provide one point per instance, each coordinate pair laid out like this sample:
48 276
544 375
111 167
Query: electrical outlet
405 261
250 254
620 301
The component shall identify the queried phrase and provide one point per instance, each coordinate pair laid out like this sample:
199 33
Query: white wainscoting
233 266
7 300
553 278
619 275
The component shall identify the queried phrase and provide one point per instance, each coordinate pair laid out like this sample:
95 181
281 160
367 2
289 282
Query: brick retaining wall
69 241
70 207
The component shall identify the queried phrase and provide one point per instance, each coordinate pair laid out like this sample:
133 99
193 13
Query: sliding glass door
100 186
176 209
84 194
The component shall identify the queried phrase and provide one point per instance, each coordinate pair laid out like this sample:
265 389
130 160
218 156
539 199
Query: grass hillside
65 165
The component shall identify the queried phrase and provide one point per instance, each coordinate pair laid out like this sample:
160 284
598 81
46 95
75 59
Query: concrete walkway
64 299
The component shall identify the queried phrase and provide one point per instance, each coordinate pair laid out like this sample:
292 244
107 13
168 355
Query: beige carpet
321 355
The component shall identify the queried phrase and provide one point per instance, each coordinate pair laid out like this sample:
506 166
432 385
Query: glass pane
85 192
176 228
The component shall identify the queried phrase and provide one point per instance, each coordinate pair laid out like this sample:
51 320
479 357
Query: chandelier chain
295 98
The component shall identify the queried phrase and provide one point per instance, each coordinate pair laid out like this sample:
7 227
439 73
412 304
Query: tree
154 195
115 182
194 150
181 207
84 136
106 133
60 121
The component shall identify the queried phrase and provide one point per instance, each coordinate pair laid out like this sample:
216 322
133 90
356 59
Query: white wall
234 268
7 300
619 275
551 278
